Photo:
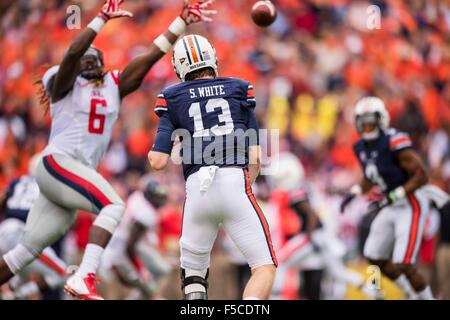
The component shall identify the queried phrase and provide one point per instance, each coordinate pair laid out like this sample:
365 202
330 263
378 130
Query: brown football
264 13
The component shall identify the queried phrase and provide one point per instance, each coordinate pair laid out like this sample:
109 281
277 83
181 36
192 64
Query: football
264 13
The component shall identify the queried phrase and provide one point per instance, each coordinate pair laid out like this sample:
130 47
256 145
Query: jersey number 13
225 125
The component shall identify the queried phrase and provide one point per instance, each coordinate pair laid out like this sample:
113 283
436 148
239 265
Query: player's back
214 115
83 120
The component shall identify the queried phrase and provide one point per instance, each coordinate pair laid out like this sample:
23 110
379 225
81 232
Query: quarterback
212 115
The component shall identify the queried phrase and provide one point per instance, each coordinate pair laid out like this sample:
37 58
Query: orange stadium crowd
309 68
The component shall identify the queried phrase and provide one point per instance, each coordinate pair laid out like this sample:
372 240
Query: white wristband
356 189
163 44
397 193
97 24
178 26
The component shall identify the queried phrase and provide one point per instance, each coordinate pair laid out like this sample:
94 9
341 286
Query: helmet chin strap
371 135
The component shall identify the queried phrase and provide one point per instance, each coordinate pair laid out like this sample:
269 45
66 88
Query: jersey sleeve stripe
250 93
161 102
161 109
399 142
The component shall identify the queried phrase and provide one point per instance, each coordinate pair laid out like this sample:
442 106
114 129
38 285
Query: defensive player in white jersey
132 252
389 162
45 273
84 101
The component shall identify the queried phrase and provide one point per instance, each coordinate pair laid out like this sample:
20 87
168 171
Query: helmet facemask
92 66
369 125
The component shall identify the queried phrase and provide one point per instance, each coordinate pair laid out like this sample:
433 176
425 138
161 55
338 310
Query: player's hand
192 13
376 206
111 10
347 199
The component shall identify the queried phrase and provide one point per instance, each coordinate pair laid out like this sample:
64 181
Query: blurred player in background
132 250
43 274
312 240
22 193
219 162
84 105
389 162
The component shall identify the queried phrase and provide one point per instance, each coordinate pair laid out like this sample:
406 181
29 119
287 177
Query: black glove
347 199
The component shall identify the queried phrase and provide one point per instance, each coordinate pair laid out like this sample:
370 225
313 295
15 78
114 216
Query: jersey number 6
225 128
96 120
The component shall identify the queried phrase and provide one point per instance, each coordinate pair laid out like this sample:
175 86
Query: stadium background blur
308 68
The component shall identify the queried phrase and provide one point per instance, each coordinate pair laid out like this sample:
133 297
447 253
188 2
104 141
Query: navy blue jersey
20 197
379 159
211 117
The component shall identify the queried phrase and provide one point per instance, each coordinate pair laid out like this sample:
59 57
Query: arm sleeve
48 75
250 101
161 105
400 141
163 140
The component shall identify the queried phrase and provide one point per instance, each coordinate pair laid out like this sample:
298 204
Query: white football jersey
140 210
82 122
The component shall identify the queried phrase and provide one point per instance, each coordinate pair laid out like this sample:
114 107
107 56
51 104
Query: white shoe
82 288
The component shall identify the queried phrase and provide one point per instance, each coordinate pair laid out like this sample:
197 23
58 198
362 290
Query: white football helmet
288 173
193 52
371 110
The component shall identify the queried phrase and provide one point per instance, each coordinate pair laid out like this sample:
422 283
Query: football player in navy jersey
216 123
389 162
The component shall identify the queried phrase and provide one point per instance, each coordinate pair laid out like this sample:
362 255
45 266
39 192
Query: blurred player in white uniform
84 105
313 240
45 273
132 250
389 162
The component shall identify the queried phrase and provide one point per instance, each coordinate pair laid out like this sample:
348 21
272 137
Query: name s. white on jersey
82 122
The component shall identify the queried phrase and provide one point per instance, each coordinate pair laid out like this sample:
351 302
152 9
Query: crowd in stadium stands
308 69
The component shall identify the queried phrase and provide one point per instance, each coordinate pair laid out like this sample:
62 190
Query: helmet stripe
198 48
192 49
187 51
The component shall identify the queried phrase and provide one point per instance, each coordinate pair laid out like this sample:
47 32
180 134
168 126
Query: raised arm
133 75
69 67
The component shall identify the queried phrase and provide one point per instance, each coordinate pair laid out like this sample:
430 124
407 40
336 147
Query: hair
200 73
41 92
44 95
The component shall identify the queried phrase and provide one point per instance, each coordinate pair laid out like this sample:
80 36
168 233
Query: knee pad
194 284
19 257
109 217
193 258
